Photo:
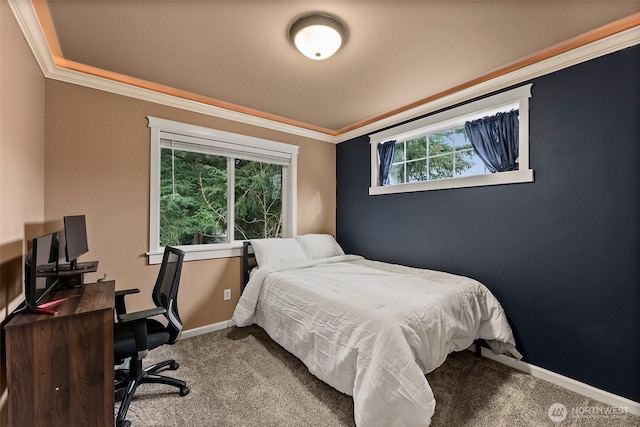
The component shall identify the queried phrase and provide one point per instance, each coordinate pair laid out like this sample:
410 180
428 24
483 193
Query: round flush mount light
318 35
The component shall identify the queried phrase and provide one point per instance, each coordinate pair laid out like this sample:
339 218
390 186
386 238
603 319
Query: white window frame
512 99
225 144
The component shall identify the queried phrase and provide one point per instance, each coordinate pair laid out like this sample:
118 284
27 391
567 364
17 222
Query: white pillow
320 245
273 251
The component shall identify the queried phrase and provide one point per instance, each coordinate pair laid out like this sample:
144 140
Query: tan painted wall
21 131
97 157
22 89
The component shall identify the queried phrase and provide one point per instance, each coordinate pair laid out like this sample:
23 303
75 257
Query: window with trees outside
210 190
435 152
444 154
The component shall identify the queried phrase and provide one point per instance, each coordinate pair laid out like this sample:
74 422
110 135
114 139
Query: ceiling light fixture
318 35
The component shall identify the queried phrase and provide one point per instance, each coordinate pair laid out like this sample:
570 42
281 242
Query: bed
369 329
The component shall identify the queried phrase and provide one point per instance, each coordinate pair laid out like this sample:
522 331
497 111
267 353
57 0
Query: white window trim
517 98
287 153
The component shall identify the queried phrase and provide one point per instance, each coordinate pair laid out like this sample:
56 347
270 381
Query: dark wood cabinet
60 367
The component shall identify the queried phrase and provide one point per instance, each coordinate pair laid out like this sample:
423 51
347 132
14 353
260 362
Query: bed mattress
373 330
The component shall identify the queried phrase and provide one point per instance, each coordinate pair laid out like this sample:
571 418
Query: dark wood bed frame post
478 344
248 263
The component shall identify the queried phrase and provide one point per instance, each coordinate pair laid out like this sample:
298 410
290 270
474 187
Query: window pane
416 148
468 163
396 174
193 198
417 171
441 166
460 138
258 205
440 143
398 153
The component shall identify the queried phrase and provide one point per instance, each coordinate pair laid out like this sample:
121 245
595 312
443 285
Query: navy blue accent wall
562 254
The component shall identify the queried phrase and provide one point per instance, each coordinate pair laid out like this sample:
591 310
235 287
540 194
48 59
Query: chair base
128 380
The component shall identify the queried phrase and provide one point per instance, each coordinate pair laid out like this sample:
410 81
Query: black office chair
136 333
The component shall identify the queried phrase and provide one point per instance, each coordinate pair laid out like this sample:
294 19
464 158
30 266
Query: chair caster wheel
173 366
184 391
124 423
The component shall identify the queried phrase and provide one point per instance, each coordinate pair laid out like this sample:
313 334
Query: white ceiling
398 52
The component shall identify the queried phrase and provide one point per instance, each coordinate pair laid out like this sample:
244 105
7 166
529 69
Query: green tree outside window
193 198
444 154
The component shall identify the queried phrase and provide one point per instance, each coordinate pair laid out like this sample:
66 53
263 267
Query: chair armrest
143 314
138 323
121 307
127 291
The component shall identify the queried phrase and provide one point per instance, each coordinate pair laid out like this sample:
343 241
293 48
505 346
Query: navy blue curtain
385 154
495 139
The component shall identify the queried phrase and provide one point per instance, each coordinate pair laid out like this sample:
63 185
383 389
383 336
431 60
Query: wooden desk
60 368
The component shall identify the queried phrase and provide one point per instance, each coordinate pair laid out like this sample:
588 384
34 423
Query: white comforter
372 330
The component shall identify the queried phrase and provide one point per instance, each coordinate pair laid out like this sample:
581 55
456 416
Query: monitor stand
50 311
73 277
46 307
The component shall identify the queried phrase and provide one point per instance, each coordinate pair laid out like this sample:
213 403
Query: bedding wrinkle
401 380
372 330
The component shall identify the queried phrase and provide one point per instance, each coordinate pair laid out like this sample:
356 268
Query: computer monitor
41 264
75 236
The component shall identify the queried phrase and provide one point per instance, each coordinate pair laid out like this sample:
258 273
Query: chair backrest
165 291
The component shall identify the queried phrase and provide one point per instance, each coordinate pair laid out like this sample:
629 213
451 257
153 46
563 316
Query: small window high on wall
485 142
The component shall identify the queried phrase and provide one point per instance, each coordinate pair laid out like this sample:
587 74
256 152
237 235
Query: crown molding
544 63
144 94
466 92
29 23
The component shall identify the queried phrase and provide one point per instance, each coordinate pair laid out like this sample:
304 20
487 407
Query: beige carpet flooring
240 377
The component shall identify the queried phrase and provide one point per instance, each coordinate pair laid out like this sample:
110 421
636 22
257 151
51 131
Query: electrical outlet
227 294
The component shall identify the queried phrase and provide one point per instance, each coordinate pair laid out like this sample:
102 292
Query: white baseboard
206 329
591 392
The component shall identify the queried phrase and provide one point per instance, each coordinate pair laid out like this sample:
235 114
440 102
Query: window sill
512 177
194 253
